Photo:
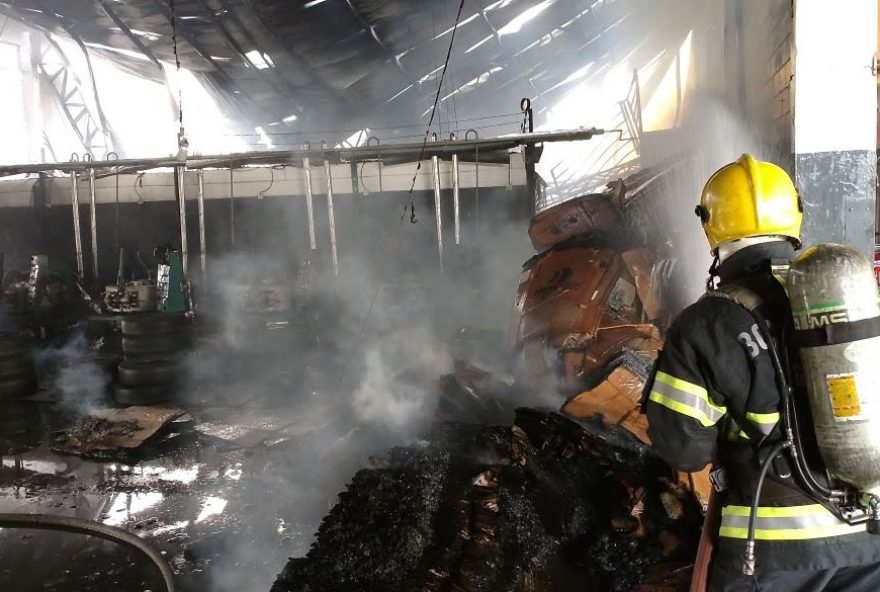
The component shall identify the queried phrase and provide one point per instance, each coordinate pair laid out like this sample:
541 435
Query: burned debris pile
126 435
476 508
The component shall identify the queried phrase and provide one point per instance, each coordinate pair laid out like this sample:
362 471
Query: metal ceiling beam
225 34
343 97
117 20
369 29
237 48
225 79
226 83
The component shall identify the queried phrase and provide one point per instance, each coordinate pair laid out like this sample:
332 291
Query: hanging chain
176 60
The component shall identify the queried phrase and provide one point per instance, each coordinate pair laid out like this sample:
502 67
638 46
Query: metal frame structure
54 67
466 149
434 151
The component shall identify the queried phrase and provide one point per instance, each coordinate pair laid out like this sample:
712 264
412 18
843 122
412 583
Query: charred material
484 508
129 434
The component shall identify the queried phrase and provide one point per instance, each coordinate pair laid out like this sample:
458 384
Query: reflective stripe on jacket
686 398
784 523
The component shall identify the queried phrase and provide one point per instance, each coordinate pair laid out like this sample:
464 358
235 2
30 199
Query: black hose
790 423
805 476
91 528
749 556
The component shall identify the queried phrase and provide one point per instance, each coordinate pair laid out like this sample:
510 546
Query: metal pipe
93 221
310 205
442 148
455 200
477 191
331 218
435 165
181 197
203 251
361 153
77 232
231 207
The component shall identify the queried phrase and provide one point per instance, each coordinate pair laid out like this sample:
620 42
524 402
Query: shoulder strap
752 302
741 295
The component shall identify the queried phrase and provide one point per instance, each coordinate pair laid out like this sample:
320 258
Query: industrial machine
133 296
171 284
37 296
164 291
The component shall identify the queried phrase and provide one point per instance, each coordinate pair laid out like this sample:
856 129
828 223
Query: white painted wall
835 89
265 182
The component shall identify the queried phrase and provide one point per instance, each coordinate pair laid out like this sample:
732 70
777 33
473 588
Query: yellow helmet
749 198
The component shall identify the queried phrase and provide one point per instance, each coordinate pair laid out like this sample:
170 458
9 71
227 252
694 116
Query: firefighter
714 397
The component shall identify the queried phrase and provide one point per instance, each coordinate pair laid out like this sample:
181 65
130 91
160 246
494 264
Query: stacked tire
151 345
146 381
154 335
18 375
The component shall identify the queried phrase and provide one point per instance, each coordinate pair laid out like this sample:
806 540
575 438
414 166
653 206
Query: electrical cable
434 110
434 34
92 528
262 193
138 184
176 60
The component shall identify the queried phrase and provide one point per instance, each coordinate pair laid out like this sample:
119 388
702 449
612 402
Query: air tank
836 305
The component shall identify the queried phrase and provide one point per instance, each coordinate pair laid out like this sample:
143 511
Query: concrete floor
226 506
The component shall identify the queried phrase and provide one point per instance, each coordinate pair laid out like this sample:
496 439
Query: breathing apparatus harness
846 502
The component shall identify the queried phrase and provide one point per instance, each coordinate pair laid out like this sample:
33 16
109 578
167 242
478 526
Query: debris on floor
119 433
487 508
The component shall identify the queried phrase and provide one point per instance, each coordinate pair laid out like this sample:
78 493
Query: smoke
354 362
395 399
710 137
80 381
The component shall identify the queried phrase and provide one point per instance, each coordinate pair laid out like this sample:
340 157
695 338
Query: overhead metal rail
384 152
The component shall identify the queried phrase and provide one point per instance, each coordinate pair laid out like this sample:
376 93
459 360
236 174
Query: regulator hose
748 567
92 528
791 426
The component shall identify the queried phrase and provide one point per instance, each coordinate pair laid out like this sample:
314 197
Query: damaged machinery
587 310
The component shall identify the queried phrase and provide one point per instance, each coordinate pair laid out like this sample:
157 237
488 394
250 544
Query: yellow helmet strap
702 213
712 280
